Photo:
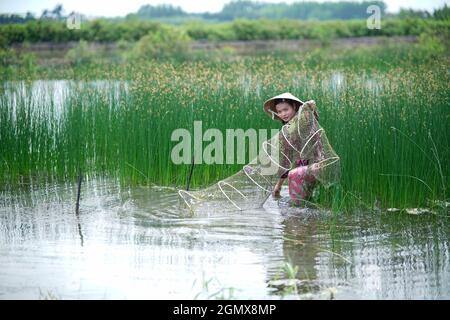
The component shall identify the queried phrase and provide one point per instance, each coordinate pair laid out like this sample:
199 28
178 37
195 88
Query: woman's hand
276 190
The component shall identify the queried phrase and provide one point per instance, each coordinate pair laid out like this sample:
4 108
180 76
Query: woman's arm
277 188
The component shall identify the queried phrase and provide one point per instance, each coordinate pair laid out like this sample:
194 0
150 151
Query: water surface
135 243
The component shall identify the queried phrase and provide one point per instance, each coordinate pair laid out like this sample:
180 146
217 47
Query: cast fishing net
302 138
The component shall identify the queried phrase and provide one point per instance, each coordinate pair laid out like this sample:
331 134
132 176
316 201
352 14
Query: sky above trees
111 8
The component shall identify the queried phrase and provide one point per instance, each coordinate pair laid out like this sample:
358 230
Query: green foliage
442 14
102 30
411 13
163 10
7 59
55 14
166 42
200 30
433 42
307 10
81 54
14 64
15 18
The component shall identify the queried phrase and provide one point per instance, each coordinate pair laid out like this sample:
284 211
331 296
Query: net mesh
301 139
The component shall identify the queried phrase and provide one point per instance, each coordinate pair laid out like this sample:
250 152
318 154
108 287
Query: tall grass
389 124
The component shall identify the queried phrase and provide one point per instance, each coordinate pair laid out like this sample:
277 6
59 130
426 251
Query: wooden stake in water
77 207
190 174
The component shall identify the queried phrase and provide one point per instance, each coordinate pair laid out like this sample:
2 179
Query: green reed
389 125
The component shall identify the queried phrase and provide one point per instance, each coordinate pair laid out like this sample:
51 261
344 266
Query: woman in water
302 156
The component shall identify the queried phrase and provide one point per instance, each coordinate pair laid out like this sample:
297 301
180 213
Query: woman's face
285 111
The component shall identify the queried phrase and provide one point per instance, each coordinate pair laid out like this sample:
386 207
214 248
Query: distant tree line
160 11
308 10
246 9
102 30
54 15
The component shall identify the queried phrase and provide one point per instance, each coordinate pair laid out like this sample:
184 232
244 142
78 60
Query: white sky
111 8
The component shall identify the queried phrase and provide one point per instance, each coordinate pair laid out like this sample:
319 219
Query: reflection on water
50 96
138 245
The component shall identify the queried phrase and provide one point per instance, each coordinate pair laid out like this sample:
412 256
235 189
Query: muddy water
135 243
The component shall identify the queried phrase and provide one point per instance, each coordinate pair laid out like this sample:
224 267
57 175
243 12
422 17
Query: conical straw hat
269 105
